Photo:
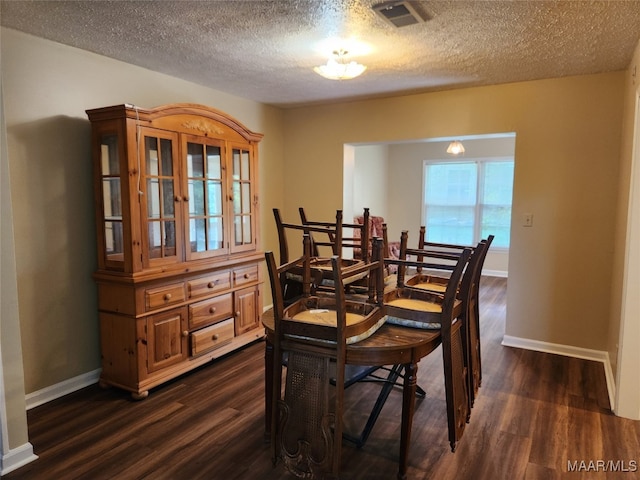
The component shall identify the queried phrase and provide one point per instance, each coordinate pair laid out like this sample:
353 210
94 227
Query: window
467 201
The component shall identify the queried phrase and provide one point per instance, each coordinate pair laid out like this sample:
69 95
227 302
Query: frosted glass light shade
455 148
338 68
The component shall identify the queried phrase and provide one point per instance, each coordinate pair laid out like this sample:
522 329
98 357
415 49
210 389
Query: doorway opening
388 178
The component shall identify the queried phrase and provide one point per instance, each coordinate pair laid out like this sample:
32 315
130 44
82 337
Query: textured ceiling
266 50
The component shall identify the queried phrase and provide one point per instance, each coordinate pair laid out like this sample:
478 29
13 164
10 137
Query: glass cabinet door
205 187
243 202
161 195
111 189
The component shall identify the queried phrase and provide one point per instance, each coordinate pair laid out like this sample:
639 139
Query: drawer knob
185 333
215 337
246 275
212 309
167 296
212 284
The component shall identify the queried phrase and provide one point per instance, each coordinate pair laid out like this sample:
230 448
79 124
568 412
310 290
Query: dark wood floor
535 413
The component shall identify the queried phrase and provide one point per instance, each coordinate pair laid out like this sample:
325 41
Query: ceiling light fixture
455 148
339 68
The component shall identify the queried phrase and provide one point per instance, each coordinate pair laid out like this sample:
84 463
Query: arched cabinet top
183 117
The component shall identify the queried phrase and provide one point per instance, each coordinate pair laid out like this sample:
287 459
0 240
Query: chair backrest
309 413
423 244
332 230
449 253
452 248
340 235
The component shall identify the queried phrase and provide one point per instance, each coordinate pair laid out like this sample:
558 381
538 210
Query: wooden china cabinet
179 274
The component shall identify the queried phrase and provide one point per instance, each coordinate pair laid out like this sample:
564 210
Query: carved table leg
408 406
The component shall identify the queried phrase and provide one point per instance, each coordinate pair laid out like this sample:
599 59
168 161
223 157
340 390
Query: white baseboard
611 383
61 389
568 351
17 457
494 273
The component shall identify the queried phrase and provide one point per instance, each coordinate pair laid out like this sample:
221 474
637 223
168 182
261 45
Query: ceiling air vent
398 13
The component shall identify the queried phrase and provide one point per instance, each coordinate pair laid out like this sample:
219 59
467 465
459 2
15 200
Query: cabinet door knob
212 310
176 198
238 313
167 296
185 198
185 333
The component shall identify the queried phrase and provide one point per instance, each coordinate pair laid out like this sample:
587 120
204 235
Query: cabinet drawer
211 283
209 311
165 295
212 337
242 276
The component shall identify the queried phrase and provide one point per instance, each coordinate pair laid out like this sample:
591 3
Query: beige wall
47 88
567 152
370 181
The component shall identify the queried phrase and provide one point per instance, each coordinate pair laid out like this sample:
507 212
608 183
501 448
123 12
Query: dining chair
441 311
469 291
312 334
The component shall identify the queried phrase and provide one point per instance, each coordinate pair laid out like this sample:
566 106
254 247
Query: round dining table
390 345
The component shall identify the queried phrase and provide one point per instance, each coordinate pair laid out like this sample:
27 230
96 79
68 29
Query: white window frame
480 162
